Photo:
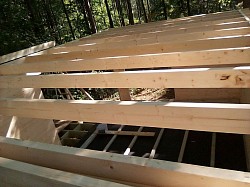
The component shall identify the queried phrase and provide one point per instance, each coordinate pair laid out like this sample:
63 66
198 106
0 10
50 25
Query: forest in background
24 23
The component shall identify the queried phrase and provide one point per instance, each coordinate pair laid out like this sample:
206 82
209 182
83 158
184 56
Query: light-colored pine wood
124 93
151 27
15 173
119 167
214 117
212 57
27 128
179 46
155 37
25 52
173 78
170 31
129 133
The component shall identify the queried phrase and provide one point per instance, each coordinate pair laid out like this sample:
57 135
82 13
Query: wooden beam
181 46
119 167
153 37
169 31
25 52
230 56
128 133
190 78
214 117
15 173
157 26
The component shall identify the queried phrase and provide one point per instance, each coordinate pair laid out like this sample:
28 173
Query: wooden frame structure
206 52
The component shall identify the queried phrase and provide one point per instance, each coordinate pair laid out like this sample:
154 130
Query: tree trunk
188 7
83 11
67 16
138 10
90 16
109 14
149 12
144 12
119 9
164 9
32 17
130 13
58 37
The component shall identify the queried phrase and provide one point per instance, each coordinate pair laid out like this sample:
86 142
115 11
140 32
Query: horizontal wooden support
180 46
127 169
230 56
16 173
157 26
25 52
127 133
157 37
173 78
214 117
143 35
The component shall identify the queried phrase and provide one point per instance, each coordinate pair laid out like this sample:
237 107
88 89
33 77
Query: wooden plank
190 78
151 27
213 148
181 46
113 139
124 93
153 151
129 133
127 151
183 146
25 52
231 56
214 117
152 37
15 173
119 167
180 30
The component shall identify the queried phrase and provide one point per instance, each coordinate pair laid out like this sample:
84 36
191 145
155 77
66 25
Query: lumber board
128 133
155 37
171 78
230 56
181 30
214 117
158 25
25 52
27 128
124 93
115 167
16 173
179 46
